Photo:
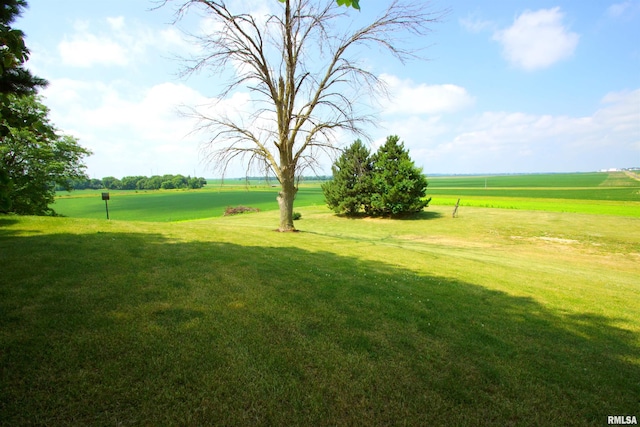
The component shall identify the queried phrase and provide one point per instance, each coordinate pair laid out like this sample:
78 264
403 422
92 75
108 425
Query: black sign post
105 197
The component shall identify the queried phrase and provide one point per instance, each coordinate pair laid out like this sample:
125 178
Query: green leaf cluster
34 157
349 3
386 183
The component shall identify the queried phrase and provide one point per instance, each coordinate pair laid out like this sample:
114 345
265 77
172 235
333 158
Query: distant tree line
156 182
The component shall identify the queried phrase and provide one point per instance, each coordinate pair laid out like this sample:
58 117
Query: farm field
497 317
593 193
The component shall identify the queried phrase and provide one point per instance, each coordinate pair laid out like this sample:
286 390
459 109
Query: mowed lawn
497 317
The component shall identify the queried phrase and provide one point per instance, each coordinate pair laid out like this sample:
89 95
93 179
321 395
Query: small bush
297 216
238 210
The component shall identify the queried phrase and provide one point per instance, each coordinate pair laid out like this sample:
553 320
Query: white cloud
616 10
130 132
537 40
407 97
86 50
116 23
517 142
116 44
474 24
625 11
174 39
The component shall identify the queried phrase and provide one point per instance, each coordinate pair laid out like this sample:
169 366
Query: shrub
238 210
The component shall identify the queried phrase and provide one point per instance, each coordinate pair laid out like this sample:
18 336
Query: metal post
105 197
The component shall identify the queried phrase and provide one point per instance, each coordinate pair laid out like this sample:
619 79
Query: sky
504 86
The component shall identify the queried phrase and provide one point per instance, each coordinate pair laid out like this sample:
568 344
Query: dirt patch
558 240
547 239
444 241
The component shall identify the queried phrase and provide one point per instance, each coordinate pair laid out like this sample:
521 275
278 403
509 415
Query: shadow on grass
424 215
113 328
6 222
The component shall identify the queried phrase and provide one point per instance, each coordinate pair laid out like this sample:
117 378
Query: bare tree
300 66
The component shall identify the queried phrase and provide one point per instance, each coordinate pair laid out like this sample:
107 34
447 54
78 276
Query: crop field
594 193
176 205
501 316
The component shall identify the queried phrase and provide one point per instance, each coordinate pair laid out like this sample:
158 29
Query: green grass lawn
498 317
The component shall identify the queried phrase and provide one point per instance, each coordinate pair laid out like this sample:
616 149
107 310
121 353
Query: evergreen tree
14 78
399 187
350 190
385 184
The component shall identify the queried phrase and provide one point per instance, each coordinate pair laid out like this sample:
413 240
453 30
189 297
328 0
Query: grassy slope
499 317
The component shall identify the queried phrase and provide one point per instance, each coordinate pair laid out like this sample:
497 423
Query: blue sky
508 87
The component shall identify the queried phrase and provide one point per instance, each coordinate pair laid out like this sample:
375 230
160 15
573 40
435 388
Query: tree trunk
285 200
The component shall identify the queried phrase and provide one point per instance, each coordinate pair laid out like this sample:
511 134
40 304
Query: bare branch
298 66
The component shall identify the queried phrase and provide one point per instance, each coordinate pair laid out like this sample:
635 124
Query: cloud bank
537 40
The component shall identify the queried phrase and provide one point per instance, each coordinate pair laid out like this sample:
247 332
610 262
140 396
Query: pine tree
399 187
350 190
14 78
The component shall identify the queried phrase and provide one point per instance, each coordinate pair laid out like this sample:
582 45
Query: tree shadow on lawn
112 328
6 222
424 215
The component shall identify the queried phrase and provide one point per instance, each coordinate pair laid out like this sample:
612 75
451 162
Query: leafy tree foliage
385 184
350 190
349 3
111 183
34 157
399 187
5 191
